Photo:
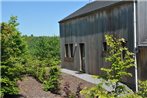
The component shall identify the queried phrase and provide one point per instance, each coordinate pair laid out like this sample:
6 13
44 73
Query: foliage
113 75
31 66
39 59
44 58
97 92
49 75
41 73
44 48
119 64
132 95
13 50
44 61
52 82
143 88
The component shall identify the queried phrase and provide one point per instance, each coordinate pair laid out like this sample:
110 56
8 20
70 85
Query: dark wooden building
82 34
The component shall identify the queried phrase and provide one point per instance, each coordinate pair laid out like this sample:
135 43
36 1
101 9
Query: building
82 35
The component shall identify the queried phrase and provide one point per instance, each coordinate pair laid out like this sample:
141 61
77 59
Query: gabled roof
90 7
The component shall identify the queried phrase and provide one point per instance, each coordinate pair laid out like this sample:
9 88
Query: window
71 50
66 50
104 46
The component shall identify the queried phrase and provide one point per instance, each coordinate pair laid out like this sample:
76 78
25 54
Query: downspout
135 47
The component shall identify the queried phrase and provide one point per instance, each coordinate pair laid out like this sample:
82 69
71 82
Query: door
82 57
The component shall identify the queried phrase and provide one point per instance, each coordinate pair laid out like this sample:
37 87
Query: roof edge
118 2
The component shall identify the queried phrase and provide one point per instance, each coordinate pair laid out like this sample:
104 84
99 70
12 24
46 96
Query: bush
133 95
40 73
44 47
43 60
13 50
143 89
52 83
40 61
113 75
31 66
48 74
97 92
45 71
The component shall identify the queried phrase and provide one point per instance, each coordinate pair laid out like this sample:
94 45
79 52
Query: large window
66 50
71 50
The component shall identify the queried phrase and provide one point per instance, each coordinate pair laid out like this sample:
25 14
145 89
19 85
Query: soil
31 88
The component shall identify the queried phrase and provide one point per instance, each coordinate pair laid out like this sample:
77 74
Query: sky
39 18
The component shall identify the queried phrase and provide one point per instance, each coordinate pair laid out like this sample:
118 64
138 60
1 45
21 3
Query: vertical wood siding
142 62
90 29
142 21
142 36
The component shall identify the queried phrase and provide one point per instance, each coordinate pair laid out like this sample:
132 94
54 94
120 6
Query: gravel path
30 88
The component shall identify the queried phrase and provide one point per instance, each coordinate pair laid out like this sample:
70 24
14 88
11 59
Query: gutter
135 47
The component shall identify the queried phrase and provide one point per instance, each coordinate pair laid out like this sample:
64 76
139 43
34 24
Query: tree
13 49
120 61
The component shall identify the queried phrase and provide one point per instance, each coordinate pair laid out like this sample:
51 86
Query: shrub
133 95
41 72
52 83
43 60
97 92
113 75
143 89
31 66
13 50
43 47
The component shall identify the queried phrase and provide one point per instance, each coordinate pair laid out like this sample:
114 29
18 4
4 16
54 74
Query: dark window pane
104 46
71 50
66 50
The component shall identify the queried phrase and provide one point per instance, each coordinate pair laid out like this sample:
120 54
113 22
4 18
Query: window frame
66 50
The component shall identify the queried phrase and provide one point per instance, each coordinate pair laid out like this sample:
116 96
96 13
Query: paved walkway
84 76
88 78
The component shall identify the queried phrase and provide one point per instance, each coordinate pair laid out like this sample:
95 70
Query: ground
30 88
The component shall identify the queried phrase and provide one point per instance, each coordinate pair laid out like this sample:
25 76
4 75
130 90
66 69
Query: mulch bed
30 88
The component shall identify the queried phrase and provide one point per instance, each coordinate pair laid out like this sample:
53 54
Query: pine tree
13 49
